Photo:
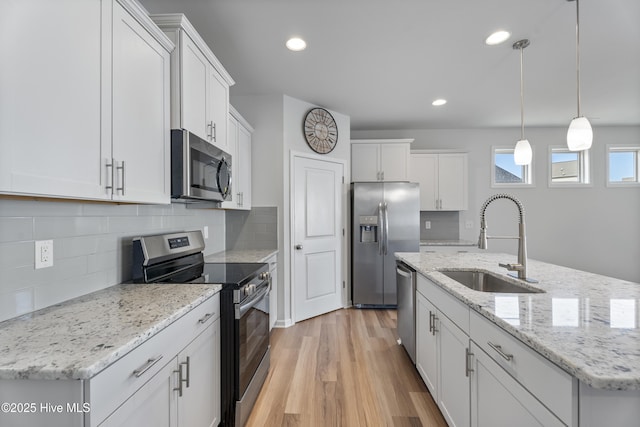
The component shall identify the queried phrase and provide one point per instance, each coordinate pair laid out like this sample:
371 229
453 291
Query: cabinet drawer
548 383
446 303
116 383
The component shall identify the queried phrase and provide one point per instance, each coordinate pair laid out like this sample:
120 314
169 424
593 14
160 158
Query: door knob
298 247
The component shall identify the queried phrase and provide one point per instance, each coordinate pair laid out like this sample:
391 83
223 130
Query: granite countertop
443 242
242 255
80 337
585 323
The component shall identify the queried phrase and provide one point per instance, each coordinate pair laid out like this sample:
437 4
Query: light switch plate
44 253
205 231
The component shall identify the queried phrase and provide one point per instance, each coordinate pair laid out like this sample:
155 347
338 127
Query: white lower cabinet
426 343
453 393
273 292
481 376
154 404
142 388
441 355
184 392
497 399
199 366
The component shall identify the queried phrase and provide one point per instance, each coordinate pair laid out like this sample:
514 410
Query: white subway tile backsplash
92 246
16 229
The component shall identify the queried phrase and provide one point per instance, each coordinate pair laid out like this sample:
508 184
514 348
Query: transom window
623 168
505 172
568 168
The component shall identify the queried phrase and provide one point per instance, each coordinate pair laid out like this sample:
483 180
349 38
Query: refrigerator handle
381 229
386 228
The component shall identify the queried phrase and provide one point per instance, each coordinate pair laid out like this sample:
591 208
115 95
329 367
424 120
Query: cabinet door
51 107
426 344
194 101
218 109
199 405
452 181
273 293
453 382
365 162
394 162
235 169
423 169
499 400
140 88
154 404
244 160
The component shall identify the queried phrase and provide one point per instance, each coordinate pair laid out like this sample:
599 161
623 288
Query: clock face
320 130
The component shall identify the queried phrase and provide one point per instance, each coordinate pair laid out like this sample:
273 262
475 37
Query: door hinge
343 231
343 285
343 179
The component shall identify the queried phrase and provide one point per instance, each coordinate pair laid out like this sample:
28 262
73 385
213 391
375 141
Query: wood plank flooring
343 368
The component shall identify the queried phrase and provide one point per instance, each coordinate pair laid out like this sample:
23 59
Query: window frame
584 168
626 148
527 170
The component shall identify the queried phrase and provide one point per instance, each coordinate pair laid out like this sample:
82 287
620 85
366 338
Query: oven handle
242 309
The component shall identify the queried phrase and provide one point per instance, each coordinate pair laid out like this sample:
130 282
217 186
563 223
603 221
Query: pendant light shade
580 134
522 154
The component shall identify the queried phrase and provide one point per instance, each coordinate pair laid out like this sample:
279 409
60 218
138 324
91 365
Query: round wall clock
320 130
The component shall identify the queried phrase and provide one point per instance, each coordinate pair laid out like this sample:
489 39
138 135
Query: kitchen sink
487 282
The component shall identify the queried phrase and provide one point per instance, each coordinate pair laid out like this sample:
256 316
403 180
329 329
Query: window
568 168
505 172
623 168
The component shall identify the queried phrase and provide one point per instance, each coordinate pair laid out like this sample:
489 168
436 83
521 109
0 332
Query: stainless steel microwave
199 170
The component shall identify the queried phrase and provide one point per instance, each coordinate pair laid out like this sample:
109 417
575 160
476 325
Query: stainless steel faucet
521 266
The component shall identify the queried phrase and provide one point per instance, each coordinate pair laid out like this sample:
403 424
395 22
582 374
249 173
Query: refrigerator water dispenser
368 229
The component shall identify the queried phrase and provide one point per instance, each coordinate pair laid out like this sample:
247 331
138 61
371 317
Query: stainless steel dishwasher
406 283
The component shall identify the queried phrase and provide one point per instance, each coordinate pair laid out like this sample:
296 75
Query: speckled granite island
96 349
585 324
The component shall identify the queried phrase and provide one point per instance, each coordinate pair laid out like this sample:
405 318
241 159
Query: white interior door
317 237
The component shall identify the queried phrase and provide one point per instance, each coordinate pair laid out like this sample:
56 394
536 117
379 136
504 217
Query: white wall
278 121
595 229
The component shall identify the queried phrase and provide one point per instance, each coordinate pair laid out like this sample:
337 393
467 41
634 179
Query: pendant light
522 154
580 134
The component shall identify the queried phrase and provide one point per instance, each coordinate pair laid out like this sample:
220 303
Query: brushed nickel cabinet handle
148 365
498 348
205 317
468 356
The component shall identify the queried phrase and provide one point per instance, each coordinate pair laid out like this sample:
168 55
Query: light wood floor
344 368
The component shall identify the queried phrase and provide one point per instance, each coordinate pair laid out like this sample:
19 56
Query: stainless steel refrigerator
385 219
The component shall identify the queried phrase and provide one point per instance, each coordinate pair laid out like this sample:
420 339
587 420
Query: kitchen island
584 324
90 355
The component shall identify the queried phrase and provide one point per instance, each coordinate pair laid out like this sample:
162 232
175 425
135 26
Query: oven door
252 321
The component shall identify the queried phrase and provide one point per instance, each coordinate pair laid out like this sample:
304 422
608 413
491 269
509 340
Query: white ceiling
383 62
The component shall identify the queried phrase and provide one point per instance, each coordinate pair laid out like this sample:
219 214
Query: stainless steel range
244 311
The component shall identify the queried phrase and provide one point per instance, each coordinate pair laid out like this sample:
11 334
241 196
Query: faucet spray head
482 240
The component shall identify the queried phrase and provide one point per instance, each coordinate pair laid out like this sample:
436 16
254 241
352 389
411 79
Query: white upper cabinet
199 83
380 160
442 178
78 118
240 149
140 88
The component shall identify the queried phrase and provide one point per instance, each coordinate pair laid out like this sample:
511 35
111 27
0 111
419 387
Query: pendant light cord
578 53
521 92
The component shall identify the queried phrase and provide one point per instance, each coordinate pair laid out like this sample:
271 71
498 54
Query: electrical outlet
468 224
427 225
44 253
205 231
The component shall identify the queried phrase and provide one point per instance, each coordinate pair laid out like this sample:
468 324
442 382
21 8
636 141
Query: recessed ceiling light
439 102
497 37
296 44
